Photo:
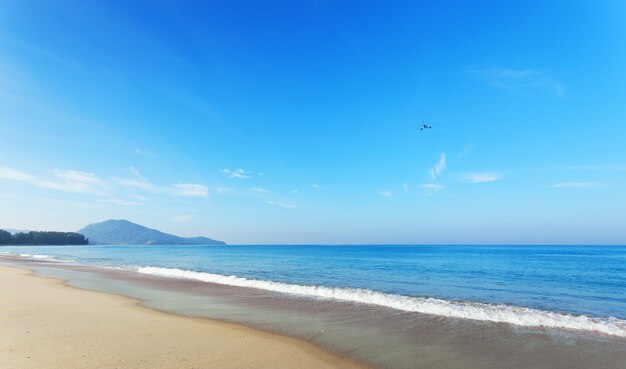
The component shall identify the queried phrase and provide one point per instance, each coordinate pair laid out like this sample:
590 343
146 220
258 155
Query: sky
278 122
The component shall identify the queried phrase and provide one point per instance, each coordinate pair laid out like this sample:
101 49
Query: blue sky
298 122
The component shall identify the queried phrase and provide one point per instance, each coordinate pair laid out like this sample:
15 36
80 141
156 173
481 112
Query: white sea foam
466 310
36 256
46 258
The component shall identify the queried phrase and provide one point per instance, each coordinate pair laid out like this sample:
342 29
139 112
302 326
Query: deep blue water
588 280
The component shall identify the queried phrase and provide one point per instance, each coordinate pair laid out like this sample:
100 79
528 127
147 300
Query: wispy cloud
575 185
433 187
195 102
222 190
280 204
482 177
190 190
84 182
15 175
76 176
75 181
405 187
144 153
69 186
64 180
260 190
519 80
51 55
385 193
315 186
237 173
118 202
138 182
467 149
182 218
180 189
438 169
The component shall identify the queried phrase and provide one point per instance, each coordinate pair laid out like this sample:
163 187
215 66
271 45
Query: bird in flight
425 126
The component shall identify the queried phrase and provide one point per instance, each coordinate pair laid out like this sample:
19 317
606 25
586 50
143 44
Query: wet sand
380 337
46 324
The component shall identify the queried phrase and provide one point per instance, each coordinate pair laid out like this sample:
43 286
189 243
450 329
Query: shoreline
364 335
124 333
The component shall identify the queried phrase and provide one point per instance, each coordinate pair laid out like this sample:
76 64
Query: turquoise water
525 285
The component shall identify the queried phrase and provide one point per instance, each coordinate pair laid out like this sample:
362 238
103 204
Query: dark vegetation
42 238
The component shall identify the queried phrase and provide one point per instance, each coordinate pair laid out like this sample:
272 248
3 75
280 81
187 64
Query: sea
392 306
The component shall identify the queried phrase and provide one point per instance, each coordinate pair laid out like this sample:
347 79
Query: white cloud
136 173
280 204
222 190
295 192
144 153
139 182
522 80
67 186
385 193
85 182
144 185
260 190
180 189
182 218
438 169
76 176
191 190
237 173
482 177
70 180
74 181
405 187
433 187
14 175
315 186
467 149
575 185
118 202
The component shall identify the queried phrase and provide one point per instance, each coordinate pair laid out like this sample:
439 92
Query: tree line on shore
42 238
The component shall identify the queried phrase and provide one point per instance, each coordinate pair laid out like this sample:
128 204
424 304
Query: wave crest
457 309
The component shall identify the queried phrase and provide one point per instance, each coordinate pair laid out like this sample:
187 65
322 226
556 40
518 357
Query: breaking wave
516 315
43 257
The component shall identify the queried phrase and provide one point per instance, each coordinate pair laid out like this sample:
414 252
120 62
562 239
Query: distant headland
42 238
124 232
109 232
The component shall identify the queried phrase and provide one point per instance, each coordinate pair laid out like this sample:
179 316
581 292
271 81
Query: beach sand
46 324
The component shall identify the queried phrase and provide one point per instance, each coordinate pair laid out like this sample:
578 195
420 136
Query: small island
42 238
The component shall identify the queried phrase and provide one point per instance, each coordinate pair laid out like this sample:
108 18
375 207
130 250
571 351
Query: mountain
123 232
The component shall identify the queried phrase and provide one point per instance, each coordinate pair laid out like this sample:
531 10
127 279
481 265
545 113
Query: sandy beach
46 324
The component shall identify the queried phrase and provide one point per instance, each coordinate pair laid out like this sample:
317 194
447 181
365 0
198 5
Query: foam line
466 310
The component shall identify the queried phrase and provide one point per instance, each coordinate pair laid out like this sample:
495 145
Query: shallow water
589 280
565 304
383 337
